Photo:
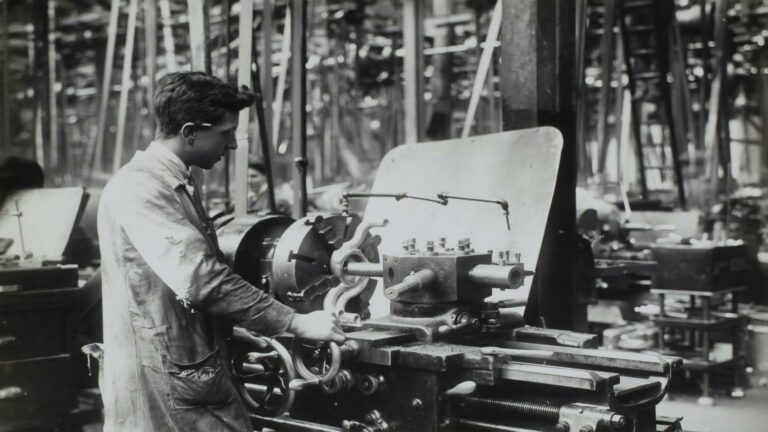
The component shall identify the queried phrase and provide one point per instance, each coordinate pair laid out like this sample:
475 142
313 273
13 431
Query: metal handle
6 341
13 392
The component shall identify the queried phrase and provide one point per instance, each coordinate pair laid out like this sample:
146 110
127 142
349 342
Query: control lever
461 389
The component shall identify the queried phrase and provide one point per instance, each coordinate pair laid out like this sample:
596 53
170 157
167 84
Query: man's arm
155 223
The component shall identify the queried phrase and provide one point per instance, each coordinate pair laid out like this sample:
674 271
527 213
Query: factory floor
746 414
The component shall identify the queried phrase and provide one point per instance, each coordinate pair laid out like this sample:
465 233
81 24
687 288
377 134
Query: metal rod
266 149
482 71
244 53
286 423
607 51
298 106
267 28
168 43
415 281
150 41
125 85
5 138
277 105
53 115
414 70
474 425
198 35
635 108
364 269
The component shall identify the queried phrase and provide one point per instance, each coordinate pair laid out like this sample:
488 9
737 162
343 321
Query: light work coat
170 299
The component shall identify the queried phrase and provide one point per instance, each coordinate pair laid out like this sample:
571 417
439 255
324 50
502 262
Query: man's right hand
319 326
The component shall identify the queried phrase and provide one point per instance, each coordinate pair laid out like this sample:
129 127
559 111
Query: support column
537 66
413 23
763 100
298 106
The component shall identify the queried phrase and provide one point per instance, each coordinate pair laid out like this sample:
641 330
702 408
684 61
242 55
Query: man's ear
189 133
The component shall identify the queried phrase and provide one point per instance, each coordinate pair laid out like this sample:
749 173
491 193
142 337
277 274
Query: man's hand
318 326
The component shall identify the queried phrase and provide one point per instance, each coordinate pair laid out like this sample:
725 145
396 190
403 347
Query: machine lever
461 389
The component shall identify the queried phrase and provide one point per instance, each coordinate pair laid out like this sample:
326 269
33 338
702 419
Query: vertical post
198 35
106 88
413 20
635 108
168 44
5 137
298 106
53 114
267 29
285 48
125 84
537 59
584 168
150 42
763 101
607 55
675 121
244 56
442 77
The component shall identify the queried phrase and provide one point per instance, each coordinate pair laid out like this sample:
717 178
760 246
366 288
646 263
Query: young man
169 297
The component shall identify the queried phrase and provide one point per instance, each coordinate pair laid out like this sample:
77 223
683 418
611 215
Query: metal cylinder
497 276
414 281
369 269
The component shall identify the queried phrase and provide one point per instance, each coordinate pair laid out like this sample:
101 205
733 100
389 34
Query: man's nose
232 144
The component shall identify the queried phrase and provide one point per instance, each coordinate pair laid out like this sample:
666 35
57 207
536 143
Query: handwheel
316 362
263 375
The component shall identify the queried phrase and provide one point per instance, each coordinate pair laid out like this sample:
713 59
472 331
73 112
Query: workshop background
656 240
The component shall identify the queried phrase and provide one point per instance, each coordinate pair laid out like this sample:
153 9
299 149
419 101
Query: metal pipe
369 269
478 425
286 423
497 276
413 281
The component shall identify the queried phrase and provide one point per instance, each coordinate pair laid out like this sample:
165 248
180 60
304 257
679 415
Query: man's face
212 143
255 180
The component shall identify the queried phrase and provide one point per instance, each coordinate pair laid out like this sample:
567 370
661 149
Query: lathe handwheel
266 372
327 368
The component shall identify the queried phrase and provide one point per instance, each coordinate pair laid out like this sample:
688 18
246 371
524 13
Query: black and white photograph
383 215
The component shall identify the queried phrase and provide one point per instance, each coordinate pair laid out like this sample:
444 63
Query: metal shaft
497 276
418 280
364 269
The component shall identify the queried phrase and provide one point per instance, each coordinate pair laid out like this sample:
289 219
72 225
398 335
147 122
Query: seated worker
169 297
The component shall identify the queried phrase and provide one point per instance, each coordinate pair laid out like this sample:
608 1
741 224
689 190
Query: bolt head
417 404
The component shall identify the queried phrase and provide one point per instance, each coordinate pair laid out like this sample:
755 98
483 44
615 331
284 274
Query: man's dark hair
197 97
257 165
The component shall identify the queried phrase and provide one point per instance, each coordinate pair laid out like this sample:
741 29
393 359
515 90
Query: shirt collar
169 159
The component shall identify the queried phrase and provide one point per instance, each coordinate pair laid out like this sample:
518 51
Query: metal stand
694 335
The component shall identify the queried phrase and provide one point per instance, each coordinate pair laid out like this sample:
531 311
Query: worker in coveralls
170 298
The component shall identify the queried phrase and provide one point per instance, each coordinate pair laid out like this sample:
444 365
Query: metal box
699 268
